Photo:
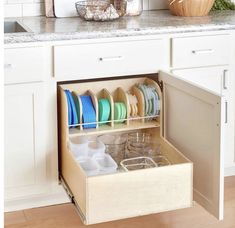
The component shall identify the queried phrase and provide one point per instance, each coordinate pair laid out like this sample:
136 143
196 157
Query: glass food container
115 146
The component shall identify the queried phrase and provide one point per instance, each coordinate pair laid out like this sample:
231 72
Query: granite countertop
149 23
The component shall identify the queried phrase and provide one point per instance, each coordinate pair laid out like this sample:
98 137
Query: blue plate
88 112
69 108
73 108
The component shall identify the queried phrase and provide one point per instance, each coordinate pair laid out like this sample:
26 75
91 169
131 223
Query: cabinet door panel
25 154
193 122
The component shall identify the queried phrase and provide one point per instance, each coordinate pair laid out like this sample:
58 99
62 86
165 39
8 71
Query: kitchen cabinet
25 152
204 84
31 169
220 81
205 61
198 149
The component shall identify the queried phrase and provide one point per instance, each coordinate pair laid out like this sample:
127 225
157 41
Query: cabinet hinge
160 83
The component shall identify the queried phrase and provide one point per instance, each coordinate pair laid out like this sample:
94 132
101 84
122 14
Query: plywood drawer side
200 51
24 65
86 61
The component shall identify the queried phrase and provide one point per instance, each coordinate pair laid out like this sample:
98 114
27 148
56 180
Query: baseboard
57 196
229 171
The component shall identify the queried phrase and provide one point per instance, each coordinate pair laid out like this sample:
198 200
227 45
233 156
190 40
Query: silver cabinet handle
203 51
8 66
110 58
226 112
225 73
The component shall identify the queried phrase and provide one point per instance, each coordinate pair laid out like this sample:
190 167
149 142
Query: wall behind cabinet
19 8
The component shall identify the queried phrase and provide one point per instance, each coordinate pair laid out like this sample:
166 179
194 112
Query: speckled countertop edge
149 23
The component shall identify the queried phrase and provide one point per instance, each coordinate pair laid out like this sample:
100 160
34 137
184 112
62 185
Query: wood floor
65 216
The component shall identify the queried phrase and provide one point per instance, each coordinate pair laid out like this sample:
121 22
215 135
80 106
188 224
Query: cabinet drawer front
215 79
24 65
200 51
110 59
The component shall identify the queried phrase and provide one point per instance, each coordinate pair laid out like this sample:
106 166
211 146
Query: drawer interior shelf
133 125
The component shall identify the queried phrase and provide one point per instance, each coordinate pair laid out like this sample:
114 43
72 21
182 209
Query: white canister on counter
134 7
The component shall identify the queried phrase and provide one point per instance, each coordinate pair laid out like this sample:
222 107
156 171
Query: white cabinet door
218 80
25 153
193 123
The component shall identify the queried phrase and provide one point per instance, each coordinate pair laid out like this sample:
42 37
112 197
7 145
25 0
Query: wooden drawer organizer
123 194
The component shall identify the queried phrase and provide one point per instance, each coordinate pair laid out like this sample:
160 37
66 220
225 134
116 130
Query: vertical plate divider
95 104
149 81
75 94
121 96
81 113
104 93
141 106
64 112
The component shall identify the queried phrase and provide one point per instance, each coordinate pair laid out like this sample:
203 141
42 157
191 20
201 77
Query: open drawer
190 120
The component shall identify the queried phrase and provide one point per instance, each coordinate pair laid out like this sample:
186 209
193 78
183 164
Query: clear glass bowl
115 145
150 150
96 10
138 143
139 139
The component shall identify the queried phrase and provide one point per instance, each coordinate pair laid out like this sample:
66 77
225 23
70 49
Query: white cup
95 147
79 146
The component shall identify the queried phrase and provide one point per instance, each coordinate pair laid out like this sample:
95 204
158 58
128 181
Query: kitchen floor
65 215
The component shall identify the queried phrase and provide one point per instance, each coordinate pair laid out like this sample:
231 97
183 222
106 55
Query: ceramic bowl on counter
190 8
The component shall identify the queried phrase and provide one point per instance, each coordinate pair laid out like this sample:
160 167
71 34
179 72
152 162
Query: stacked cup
91 156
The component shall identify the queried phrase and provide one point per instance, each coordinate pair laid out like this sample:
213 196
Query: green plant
223 5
